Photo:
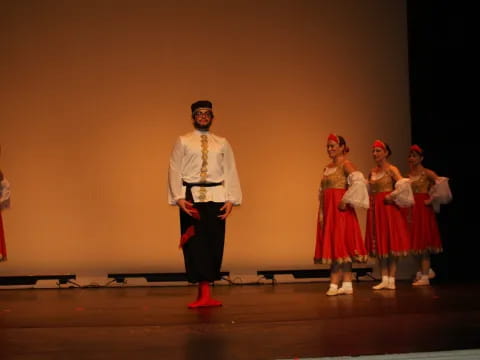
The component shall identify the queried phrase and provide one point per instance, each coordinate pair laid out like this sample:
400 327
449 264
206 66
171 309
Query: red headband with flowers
379 144
334 137
417 149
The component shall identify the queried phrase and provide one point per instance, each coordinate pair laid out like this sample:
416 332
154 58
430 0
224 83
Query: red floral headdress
333 137
379 144
417 149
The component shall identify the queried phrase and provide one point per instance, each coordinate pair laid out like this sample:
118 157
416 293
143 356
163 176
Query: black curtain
438 102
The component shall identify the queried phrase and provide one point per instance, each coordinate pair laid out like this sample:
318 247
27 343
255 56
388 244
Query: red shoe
204 299
204 303
213 302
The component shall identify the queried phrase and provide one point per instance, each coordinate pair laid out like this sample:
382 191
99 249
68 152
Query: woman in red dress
387 236
339 240
429 191
4 203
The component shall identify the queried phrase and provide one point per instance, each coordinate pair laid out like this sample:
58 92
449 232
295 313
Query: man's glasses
207 114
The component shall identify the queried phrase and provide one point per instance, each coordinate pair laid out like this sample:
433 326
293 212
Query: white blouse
186 164
4 194
440 193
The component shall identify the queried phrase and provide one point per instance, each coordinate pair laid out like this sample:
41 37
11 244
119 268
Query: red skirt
423 227
387 232
339 238
3 247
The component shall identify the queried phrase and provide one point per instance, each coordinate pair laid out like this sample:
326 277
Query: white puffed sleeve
4 194
231 182
176 190
357 193
403 194
440 193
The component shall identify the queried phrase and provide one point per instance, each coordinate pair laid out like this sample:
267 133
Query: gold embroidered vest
384 184
421 184
335 180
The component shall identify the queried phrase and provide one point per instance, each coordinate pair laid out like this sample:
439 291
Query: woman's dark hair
342 142
389 151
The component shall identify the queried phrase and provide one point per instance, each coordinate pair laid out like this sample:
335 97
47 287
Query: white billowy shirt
186 164
4 194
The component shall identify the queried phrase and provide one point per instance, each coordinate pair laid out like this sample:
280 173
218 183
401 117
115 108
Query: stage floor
283 321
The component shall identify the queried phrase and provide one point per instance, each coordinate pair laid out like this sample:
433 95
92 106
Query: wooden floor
284 321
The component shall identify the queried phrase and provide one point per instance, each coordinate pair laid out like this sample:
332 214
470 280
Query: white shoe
332 292
391 286
343 291
421 282
431 274
380 286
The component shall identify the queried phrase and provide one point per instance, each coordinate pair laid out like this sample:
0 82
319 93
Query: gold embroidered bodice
421 183
383 184
335 180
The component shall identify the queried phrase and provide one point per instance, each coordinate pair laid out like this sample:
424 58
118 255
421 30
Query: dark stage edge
320 271
157 277
32 279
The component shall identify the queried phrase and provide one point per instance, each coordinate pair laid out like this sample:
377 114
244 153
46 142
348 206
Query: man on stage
204 183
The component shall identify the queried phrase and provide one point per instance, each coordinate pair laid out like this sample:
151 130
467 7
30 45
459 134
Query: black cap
201 104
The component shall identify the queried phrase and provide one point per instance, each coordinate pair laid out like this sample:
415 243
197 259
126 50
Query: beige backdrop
94 93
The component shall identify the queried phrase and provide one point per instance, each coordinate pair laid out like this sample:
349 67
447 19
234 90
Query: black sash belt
188 192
